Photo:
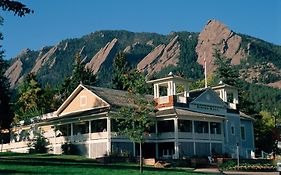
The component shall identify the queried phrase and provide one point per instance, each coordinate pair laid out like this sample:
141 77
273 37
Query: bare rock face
129 48
276 84
161 57
41 60
216 35
14 72
96 62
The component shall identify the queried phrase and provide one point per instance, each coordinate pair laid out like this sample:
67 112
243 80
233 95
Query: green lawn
44 164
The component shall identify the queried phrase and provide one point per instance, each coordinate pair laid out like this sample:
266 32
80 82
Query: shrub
39 145
70 149
231 165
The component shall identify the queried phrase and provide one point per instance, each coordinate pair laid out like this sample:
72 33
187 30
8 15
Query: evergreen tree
225 72
19 9
120 68
126 77
5 94
79 75
30 99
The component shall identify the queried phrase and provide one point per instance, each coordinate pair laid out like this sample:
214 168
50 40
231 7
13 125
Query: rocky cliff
43 59
161 57
101 56
152 53
216 35
14 72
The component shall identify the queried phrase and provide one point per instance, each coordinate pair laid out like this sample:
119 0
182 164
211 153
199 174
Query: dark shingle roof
116 98
195 93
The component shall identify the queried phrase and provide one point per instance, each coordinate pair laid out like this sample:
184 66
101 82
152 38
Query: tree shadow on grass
59 162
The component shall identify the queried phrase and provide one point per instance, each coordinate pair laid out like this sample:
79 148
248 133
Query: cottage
200 122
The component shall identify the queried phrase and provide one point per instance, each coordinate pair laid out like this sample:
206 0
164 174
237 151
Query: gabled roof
193 94
170 77
206 95
79 88
116 98
223 85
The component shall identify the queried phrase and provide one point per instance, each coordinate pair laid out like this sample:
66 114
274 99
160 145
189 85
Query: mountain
153 54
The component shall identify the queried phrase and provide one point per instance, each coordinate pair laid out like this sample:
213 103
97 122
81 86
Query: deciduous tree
136 120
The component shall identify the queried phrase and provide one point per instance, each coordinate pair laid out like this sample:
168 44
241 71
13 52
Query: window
230 97
99 125
215 128
185 126
243 134
232 130
83 100
166 126
201 127
163 91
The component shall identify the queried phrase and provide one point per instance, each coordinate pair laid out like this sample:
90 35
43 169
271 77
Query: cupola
170 90
229 94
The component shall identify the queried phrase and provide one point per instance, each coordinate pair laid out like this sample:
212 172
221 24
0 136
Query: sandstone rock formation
101 56
161 57
41 60
129 48
216 35
276 84
14 72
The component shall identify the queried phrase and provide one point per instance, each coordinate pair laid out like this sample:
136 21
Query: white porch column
54 144
176 139
226 131
89 139
174 88
156 91
186 90
108 135
71 132
209 130
193 131
156 144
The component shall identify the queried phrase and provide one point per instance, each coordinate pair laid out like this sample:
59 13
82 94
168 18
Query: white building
189 123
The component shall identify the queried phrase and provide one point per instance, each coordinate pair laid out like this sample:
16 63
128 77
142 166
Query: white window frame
83 100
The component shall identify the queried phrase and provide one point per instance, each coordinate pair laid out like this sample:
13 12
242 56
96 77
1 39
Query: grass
47 164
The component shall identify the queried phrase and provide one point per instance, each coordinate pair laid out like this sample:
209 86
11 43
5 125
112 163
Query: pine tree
120 68
127 78
225 72
30 99
5 94
79 75
6 113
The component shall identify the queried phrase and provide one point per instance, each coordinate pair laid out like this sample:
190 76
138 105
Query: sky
55 20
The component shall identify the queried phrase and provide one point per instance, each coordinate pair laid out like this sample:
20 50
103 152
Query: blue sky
54 20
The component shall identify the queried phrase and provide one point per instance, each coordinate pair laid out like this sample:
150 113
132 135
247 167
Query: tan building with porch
188 123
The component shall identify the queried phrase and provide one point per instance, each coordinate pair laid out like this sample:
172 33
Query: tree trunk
141 163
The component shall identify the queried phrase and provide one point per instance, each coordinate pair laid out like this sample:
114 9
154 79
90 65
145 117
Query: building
189 123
